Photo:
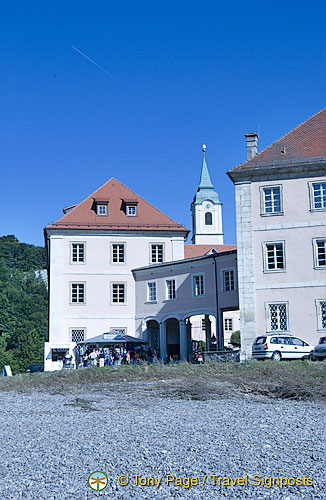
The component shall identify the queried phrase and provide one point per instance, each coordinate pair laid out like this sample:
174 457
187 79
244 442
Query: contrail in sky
93 62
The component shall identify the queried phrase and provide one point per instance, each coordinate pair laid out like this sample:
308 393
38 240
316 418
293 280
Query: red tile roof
200 250
83 216
307 141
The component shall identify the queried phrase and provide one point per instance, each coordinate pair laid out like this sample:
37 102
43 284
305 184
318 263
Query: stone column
163 350
183 340
144 331
189 339
208 332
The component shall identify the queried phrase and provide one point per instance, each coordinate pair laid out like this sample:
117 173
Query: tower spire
206 210
205 180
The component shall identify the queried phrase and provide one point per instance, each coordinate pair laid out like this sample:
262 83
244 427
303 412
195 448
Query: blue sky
181 73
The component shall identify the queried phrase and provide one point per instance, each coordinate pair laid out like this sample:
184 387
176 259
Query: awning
113 338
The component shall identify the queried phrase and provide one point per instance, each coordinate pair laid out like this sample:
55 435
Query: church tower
206 210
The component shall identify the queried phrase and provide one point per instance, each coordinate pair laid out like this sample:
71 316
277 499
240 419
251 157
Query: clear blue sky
183 73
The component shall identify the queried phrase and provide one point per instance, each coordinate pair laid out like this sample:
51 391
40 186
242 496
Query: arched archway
153 329
173 338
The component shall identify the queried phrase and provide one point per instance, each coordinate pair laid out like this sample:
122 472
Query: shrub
235 338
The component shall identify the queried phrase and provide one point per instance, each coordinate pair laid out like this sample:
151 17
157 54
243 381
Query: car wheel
276 356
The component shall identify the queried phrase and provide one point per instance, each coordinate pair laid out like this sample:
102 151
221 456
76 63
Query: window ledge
273 214
151 302
318 210
274 271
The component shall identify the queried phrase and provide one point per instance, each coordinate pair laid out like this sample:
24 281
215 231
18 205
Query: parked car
319 351
280 346
34 368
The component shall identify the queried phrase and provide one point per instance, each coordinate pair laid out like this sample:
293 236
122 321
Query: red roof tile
200 250
307 141
83 216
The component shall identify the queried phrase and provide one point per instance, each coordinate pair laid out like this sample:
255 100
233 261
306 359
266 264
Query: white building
281 235
91 252
93 249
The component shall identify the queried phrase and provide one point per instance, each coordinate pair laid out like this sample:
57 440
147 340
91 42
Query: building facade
173 297
93 249
281 235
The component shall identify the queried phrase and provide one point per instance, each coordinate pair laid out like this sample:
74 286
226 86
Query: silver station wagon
280 346
319 351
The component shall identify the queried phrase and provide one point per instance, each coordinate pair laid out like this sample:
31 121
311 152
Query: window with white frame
77 252
321 312
131 210
170 290
228 280
228 324
118 293
203 325
271 200
277 317
320 252
102 209
77 293
118 253
151 292
198 285
274 256
77 335
156 253
318 195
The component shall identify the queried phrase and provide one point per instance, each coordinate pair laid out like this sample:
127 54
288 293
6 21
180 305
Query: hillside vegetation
23 304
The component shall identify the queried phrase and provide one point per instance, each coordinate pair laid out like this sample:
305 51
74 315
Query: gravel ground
52 442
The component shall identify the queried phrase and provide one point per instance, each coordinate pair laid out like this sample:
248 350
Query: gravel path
52 442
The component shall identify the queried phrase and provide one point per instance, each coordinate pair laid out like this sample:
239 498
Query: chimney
252 145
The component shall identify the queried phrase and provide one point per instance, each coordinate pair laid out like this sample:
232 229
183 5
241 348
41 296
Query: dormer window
130 207
101 209
131 210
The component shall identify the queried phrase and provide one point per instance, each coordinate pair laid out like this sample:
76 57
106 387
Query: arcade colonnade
173 336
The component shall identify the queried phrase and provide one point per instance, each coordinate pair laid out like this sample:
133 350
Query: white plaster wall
301 310
98 315
300 284
185 302
235 316
212 233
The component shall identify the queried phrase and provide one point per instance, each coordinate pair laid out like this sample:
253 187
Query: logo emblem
97 480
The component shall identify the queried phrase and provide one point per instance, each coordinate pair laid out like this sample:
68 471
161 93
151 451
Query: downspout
218 336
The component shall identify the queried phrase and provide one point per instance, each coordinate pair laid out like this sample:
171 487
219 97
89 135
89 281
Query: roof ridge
280 139
89 196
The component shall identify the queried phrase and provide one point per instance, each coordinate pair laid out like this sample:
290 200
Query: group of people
105 356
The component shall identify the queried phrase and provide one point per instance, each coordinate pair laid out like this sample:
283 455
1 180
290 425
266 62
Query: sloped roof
305 142
200 250
206 189
84 216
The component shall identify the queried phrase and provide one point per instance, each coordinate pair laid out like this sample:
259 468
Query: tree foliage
23 303
235 338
